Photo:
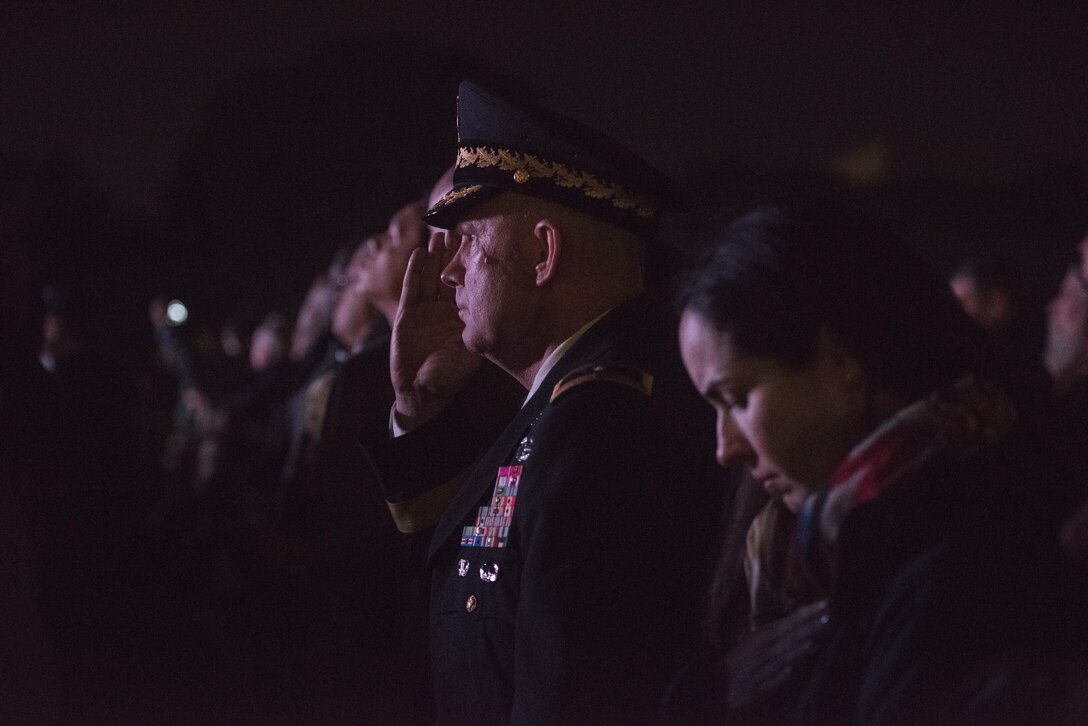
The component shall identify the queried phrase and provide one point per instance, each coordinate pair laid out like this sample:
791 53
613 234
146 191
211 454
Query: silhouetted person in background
990 290
365 650
82 508
1065 358
315 350
29 684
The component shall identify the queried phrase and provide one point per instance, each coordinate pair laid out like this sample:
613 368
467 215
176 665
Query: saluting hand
428 362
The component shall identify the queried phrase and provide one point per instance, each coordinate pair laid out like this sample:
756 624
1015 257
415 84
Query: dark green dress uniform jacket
568 592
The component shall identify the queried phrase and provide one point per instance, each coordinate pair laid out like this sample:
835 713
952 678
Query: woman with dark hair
849 381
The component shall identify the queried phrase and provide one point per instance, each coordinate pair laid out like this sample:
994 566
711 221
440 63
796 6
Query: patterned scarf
956 421
777 583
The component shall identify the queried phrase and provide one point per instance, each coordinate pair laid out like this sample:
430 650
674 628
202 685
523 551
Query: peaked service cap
504 146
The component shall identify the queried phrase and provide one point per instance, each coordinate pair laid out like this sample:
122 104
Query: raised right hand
428 361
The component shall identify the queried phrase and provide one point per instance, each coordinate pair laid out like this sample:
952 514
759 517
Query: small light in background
865 165
176 313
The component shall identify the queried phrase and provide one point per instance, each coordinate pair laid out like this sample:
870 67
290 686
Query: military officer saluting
568 569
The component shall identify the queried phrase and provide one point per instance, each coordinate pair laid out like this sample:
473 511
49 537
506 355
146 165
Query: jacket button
470 604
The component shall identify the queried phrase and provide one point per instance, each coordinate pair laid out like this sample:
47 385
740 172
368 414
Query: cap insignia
453 196
525 166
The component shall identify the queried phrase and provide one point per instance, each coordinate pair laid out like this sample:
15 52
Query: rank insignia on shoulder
629 376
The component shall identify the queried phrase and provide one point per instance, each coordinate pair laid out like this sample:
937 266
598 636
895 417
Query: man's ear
548 248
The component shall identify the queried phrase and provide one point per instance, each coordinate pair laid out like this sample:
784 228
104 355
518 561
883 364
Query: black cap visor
453 205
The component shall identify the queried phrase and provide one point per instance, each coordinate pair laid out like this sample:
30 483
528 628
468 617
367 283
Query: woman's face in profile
791 425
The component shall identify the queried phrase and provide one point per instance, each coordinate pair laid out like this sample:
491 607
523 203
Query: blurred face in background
1083 247
1066 354
791 425
265 349
990 308
353 316
52 331
314 316
230 341
382 277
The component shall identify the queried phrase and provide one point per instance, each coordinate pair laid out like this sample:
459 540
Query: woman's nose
733 447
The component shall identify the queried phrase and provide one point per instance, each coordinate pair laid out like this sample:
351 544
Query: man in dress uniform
568 570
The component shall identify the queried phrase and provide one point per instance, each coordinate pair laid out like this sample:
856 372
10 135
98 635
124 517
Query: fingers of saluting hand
410 292
423 276
430 284
444 247
437 242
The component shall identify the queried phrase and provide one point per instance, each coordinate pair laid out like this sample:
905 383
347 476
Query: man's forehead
467 227
496 210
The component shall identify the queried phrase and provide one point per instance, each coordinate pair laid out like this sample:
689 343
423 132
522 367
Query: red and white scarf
956 421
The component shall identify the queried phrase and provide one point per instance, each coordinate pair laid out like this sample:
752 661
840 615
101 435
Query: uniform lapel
483 476
594 345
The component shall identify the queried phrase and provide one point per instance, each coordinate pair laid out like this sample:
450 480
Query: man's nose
454 274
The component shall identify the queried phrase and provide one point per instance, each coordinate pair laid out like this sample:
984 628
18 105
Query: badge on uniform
489 572
492 528
525 448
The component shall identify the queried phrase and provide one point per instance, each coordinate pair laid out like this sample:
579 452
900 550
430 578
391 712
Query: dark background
220 154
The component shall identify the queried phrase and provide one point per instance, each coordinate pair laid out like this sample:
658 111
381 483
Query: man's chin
473 343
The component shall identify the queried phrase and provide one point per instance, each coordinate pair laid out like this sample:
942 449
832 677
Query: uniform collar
556 355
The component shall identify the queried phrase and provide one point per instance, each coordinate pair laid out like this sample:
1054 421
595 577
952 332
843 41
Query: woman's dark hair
777 276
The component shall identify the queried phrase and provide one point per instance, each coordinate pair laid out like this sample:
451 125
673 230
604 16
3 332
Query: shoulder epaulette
629 376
